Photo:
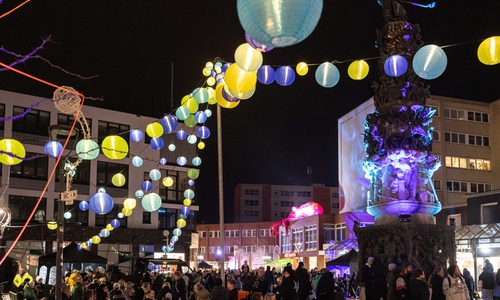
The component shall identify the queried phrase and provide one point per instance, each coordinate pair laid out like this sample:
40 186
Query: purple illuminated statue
398 135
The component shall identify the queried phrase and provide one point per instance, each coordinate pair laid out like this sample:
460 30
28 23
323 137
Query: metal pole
221 193
60 233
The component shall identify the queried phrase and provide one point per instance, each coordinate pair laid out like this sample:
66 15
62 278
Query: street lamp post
235 255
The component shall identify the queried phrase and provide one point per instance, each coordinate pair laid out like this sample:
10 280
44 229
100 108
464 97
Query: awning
346 260
341 245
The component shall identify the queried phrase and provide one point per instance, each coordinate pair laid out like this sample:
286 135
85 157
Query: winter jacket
202 295
436 283
419 289
287 289
454 291
218 293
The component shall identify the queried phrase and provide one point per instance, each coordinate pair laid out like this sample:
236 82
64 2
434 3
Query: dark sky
270 138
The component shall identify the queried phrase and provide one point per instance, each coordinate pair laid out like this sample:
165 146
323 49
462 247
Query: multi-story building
265 203
139 234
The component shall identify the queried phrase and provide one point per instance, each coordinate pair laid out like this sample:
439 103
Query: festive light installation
298 212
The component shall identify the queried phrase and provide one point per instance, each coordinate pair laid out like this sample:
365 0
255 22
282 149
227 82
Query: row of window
251 192
464 115
251 202
243 249
236 233
468 139
467 187
468 163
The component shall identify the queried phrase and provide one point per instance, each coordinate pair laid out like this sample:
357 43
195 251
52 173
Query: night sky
275 135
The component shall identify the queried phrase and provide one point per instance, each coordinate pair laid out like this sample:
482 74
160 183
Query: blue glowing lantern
83 205
171 147
105 233
285 75
266 74
79 247
155 174
67 215
151 202
184 217
327 75
257 45
137 161
208 113
163 161
115 223
185 210
136 135
174 239
181 135
147 185
53 148
279 23
101 203
177 232
430 62
87 149
395 65
164 248
200 117
224 67
182 113
169 123
157 143
196 161
190 182
203 132
189 194
181 161
139 194
169 249
192 139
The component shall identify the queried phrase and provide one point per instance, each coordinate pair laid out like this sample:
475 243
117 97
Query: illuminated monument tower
398 141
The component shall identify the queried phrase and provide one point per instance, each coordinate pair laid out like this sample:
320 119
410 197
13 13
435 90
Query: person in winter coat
304 280
454 287
29 291
419 289
201 292
488 280
316 280
287 290
77 289
179 287
436 284
258 283
392 275
378 275
269 276
325 287
232 291
218 292
165 289
469 281
403 283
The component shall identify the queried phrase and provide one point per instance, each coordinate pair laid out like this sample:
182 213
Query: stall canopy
344 260
204 265
71 254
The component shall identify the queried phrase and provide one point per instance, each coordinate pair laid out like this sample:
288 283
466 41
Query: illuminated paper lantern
196 161
488 51
83 205
96 239
181 223
200 117
127 212
137 161
114 147
167 181
189 194
182 113
136 135
266 74
154 130
222 101
211 96
156 143
151 202
189 102
109 227
14 147
67 215
139 194
247 57
174 239
395 65
203 132
190 182
129 203
258 46
192 139
181 135
190 121
87 149
101 203
121 215
187 202
184 217
177 232
193 174
146 185
208 112
155 174
105 233
327 75
185 210
239 96
358 69
285 76
429 62
115 223
240 80
118 180
163 161
52 225
201 145
279 23
53 148
169 123
181 160
200 95
171 147
302 68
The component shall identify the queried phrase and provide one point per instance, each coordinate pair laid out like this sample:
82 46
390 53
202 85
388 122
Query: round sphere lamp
327 75
114 147
11 146
395 65
248 58
101 203
429 62
169 123
87 149
358 69
488 51
266 74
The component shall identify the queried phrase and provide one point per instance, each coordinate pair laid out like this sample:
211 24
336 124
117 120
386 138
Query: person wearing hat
288 289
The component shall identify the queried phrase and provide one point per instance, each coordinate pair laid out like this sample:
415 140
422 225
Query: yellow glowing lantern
221 100
181 223
14 147
210 81
129 203
109 227
96 239
168 181
240 80
206 72
488 51
201 145
52 225
302 68
190 103
154 130
114 147
186 202
83 246
211 96
127 212
358 69
118 180
248 58
241 96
